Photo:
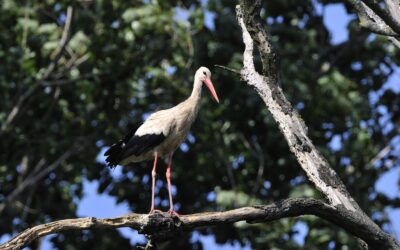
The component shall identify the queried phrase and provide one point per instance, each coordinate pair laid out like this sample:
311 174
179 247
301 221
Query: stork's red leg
168 175
153 184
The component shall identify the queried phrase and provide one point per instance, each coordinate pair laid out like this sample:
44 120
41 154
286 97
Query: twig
16 109
65 37
257 153
261 167
27 205
25 208
227 69
395 41
228 165
149 246
382 153
38 165
387 139
67 81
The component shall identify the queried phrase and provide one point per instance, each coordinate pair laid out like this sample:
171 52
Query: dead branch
162 226
292 126
395 41
370 20
392 21
384 22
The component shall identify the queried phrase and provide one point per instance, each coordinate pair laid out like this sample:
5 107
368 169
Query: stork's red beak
210 86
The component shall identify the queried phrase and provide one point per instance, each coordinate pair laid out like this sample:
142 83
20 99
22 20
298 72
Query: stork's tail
114 154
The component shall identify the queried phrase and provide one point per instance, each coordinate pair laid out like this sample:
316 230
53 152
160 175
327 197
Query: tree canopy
76 76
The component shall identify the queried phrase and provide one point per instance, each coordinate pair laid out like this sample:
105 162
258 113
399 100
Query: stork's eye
204 73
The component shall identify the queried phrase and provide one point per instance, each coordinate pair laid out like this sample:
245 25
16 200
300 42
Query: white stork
161 134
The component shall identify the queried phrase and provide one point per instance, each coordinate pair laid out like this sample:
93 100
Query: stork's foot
173 213
153 211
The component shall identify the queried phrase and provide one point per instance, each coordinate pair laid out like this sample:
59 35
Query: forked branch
292 126
384 21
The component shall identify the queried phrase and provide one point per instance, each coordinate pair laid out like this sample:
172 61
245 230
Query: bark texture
162 226
382 19
318 170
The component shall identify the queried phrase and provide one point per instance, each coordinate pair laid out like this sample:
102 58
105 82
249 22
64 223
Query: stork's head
204 75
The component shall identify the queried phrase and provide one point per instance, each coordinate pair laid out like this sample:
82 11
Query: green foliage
127 58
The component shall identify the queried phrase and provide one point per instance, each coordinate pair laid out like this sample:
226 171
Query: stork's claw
173 213
152 211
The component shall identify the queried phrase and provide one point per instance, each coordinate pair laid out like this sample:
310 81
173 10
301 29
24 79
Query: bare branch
318 170
257 152
388 138
229 171
261 167
16 109
65 37
395 41
290 122
227 69
394 9
161 226
392 21
375 23
25 208
67 81
370 20
382 153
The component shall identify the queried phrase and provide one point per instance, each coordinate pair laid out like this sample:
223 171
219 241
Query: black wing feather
138 145
132 145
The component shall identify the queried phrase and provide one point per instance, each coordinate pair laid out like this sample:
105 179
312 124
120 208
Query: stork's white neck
196 92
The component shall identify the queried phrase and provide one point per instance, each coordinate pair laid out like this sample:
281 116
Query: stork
161 134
